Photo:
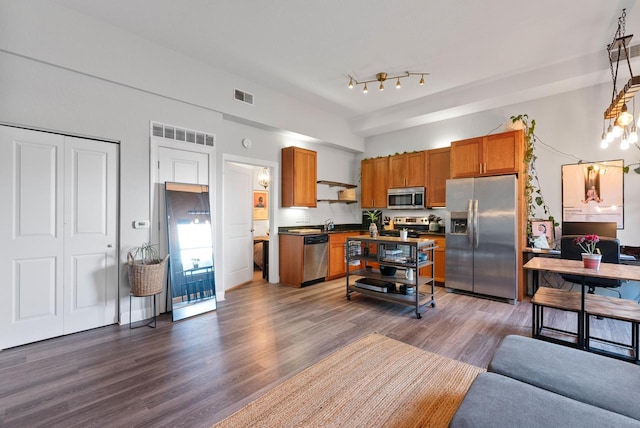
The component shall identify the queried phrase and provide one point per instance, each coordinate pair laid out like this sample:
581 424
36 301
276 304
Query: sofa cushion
497 401
593 379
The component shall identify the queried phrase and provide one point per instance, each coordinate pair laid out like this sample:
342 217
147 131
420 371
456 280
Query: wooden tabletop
575 267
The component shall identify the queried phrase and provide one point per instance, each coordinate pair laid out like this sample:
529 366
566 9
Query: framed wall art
593 192
261 205
542 228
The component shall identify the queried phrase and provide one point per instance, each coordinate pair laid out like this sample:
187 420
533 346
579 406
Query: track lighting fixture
382 77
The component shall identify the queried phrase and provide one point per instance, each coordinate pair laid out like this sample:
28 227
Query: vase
591 261
373 230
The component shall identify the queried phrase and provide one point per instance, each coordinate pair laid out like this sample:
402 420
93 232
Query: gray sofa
532 383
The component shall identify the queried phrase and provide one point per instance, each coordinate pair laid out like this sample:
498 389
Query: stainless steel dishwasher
316 249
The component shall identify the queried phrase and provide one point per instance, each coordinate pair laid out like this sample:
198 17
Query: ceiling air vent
634 51
176 133
242 96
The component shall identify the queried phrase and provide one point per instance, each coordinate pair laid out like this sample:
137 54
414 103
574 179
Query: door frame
274 272
155 143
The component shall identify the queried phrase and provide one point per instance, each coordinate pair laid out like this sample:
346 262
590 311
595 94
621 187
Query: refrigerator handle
470 230
476 232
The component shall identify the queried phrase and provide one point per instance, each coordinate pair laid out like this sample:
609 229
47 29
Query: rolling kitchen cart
392 253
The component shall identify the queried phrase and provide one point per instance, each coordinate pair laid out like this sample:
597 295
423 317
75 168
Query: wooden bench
594 305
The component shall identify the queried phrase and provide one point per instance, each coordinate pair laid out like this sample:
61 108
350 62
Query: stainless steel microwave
406 198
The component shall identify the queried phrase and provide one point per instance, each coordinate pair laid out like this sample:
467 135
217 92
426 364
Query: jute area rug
373 382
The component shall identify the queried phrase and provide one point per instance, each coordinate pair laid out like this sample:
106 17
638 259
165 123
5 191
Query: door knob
109 245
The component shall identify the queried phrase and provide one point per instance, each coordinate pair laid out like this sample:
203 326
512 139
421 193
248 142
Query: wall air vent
176 133
634 51
242 96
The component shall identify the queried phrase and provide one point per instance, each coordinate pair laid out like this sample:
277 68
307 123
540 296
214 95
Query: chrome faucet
328 225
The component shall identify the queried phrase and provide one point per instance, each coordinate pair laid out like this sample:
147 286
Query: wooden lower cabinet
440 257
337 262
291 260
337 266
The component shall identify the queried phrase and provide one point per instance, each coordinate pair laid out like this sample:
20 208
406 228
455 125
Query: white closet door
31 236
90 234
58 274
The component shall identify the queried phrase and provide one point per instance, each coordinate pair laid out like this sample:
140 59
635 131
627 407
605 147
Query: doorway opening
249 219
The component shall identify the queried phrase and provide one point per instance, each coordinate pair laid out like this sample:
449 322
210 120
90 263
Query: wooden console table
583 305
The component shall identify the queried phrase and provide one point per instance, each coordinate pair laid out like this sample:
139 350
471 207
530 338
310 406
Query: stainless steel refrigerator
482 236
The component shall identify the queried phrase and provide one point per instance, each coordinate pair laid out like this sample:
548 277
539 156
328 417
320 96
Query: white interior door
90 234
238 223
31 222
35 260
178 166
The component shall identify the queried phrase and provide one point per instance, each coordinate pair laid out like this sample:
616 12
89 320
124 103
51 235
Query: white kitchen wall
569 127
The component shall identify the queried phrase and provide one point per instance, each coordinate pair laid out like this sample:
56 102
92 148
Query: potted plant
591 256
146 270
373 227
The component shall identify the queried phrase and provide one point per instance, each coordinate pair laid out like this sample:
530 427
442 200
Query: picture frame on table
542 228
261 205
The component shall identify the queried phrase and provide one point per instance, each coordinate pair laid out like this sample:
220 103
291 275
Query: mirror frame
200 287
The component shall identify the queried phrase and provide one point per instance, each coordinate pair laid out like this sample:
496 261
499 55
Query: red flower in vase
588 243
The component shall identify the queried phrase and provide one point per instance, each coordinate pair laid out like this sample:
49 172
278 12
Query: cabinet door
299 177
407 170
501 153
438 171
415 172
337 265
381 182
366 183
439 255
398 166
291 260
466 158
374 175
440 264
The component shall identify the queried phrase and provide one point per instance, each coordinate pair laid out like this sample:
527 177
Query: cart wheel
418 315
433 305
348 296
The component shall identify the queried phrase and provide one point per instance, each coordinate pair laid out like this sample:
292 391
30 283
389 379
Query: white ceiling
479 54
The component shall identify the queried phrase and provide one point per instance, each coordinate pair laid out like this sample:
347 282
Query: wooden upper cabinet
489 155
299 177
503 153
438 171
374 182
407 170
466 158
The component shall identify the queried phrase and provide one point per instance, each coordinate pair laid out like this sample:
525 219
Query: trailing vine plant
533 193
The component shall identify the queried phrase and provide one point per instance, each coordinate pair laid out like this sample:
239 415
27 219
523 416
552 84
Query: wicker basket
146 280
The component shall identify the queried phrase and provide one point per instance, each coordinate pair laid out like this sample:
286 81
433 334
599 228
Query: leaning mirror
192 276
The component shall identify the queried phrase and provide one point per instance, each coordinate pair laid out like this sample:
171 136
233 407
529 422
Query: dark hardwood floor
195 372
